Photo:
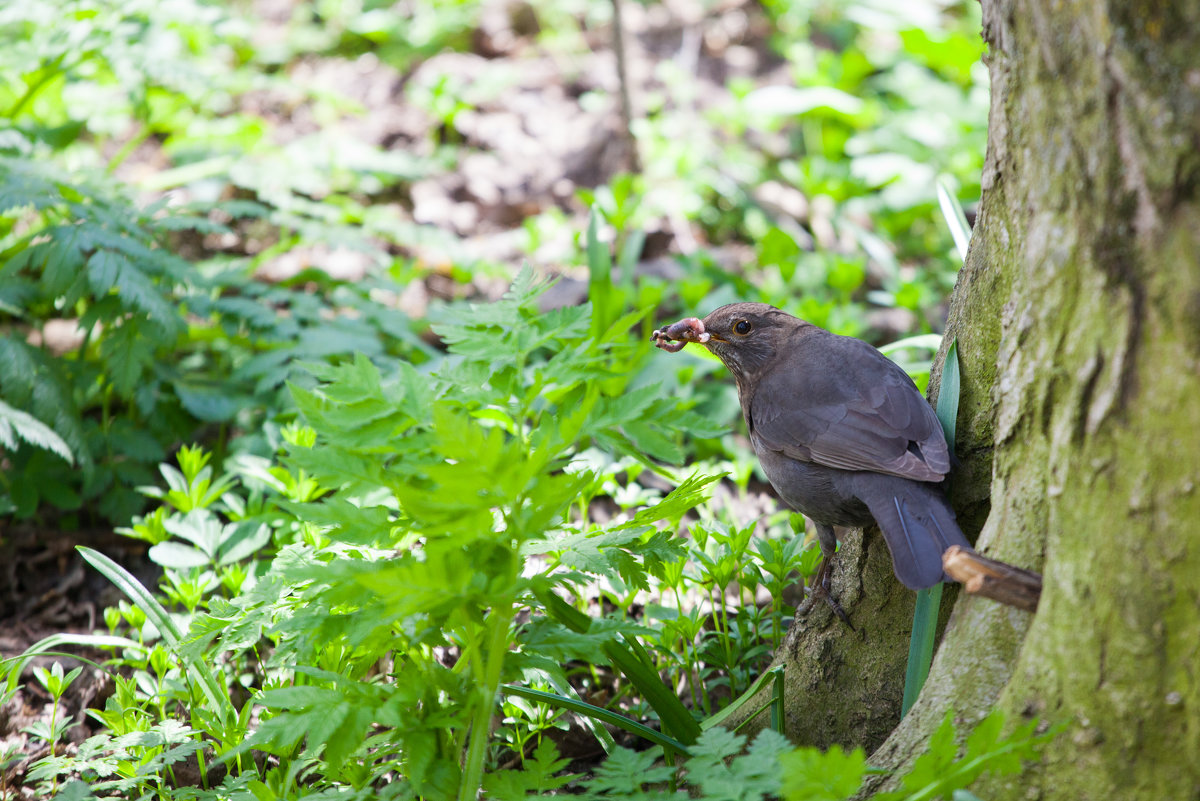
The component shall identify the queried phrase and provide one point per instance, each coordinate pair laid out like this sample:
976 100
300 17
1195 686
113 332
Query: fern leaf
15 424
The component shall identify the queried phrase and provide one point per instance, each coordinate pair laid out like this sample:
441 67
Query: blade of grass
925 614
200 671
600 284
675 717
920 644
591 724
48 646
719 718
778 707
599 713
947 402
956 220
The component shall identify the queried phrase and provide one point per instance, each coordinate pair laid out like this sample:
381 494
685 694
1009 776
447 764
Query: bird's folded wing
870 418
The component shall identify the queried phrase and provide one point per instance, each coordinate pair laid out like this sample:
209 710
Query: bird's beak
674 336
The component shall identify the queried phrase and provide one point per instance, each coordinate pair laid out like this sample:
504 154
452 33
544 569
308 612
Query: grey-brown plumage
842 433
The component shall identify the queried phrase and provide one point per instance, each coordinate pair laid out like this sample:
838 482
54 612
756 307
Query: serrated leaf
138 291
810 775
129 353
626 772
682 499
15 424
536 775
548 638
103 270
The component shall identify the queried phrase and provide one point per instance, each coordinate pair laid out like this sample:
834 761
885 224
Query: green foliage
941 771
463 463
720 768
155 348
833 179
163 350
376 535
376 639
17 425
396 487
812 775
112 340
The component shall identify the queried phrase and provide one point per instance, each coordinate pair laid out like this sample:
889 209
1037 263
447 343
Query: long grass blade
956 220
599 713
133 589
49 646
774 674
675 717
925 614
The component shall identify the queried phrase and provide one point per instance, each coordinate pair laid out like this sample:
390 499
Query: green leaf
939 771
213 688
626 773
956 220
138 291
47 646
920 644
723 772
553 640
602 293
676 719
177 556
598 713
15 424
947 402
682 499
536 775
212 403
810 775
129 354
767 677
794 100
925 612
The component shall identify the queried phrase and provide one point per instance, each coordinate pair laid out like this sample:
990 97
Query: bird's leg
821 581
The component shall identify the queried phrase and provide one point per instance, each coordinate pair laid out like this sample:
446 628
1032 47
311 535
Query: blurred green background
195 196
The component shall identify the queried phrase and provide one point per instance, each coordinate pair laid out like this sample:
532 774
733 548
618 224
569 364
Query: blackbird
842 432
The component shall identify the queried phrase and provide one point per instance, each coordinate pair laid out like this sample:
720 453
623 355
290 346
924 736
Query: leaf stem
495 649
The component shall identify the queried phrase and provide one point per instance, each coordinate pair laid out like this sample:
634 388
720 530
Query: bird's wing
872 417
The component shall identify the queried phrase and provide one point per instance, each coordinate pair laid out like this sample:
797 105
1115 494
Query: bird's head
744 336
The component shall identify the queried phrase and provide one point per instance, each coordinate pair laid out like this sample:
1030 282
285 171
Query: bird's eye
741 327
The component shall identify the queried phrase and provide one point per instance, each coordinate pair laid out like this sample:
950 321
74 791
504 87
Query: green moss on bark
1091 232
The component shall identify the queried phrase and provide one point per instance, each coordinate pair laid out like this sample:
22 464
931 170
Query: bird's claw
821 589
673 337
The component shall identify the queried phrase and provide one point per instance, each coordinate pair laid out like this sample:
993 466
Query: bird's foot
820 589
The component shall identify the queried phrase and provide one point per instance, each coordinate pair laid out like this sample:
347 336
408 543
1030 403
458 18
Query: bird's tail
918 525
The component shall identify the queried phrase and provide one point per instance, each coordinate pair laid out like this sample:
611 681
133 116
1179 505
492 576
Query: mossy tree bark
1080 305
1078 322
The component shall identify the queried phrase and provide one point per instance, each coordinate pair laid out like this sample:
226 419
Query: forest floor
540 127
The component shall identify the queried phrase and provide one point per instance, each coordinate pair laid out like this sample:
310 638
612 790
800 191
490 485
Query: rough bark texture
1077 317
846 686
1080 309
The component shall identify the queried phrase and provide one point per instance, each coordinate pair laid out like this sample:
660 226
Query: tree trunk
1077 317
1080 305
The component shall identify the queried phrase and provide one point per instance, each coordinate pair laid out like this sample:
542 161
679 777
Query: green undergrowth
151 179
155 349
343 618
